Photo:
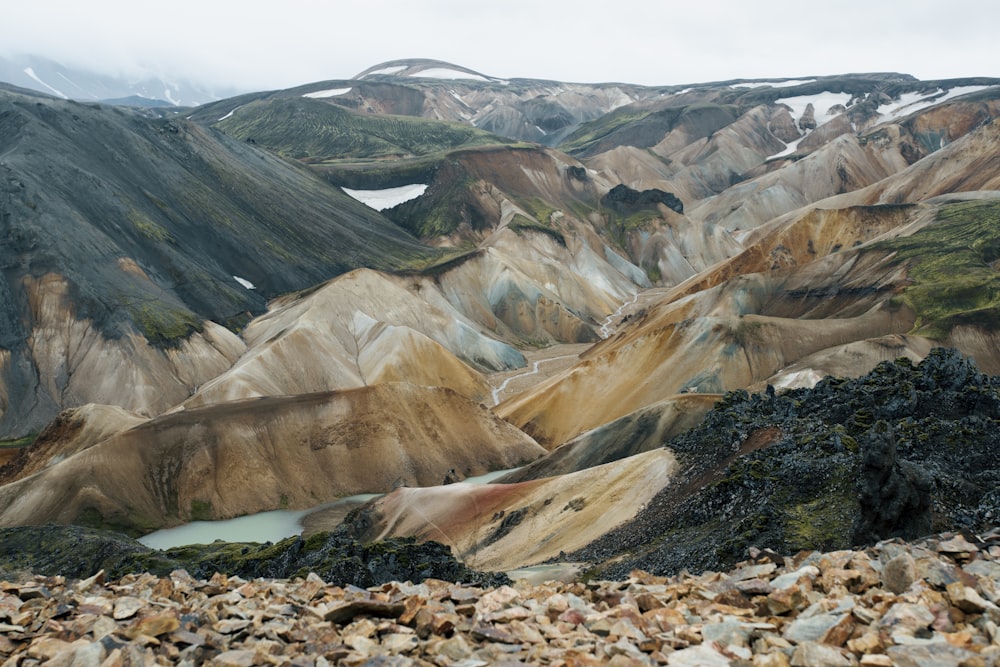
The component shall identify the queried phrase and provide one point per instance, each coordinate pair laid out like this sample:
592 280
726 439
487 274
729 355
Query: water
264 526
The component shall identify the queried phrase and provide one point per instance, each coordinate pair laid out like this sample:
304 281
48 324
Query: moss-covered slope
76 552
308 129
953 268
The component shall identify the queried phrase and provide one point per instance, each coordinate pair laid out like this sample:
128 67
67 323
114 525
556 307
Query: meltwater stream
263 526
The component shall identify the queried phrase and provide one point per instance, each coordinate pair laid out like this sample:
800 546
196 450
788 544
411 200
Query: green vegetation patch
163 325
148 227
520 224
953 267
311 130
17 443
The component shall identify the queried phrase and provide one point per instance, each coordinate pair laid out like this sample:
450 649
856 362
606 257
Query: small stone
155 625
646 601
228 626
815 654
492 633
805 573
836 577
345 612
907 619
812 628
784 600
899 573
937 654
412 605
726 633
773 659
876 660
753 571
399 643
126 607
702 655
753 587
956 546
89 655
45 648
455 648
238 658
967 599
84 585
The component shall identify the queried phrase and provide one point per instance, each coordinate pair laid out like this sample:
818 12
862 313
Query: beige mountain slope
367 327
260 454
505 526
80 365
347 333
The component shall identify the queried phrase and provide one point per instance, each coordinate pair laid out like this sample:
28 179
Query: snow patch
804 379
244 282
912 102
774 84
789 148
821 104
388 70
230 114
332 92
170 98
445 73
30 72
387 198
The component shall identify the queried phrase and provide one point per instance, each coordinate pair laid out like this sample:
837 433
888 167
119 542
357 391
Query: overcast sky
252 44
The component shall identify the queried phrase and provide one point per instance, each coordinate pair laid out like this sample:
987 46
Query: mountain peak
424 68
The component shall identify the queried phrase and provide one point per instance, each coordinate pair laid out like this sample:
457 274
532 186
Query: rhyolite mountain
431 248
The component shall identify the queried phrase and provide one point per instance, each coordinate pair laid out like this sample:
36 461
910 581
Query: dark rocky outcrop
900 452
624 199
77 552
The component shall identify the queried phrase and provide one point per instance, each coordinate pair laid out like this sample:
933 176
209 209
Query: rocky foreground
932 602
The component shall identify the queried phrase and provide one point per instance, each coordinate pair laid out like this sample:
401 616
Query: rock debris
931 602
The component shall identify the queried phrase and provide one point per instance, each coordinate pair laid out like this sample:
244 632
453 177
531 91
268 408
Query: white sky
255 44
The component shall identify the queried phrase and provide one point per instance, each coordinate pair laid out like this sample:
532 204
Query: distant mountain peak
77 83
427 68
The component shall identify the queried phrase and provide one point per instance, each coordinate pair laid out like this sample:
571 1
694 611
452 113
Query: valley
648 300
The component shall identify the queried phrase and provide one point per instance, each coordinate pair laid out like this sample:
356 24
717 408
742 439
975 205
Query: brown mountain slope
262 454
504 526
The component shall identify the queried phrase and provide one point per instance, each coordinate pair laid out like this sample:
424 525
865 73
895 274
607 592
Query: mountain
282 298
74 83
139 240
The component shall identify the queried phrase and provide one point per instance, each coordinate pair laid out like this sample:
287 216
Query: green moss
201 511
18 442
133 525
822 523
148 227
952 269
521 224
162 325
